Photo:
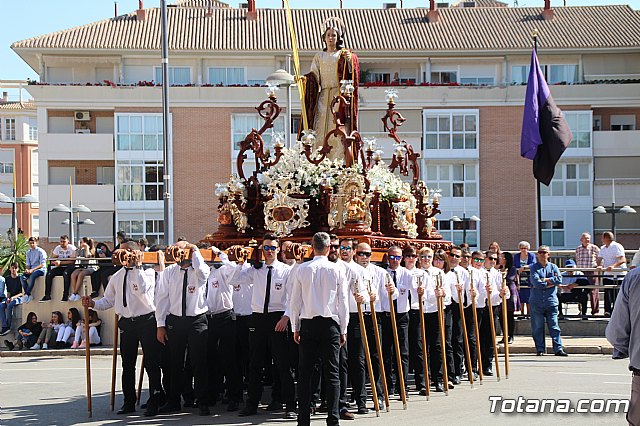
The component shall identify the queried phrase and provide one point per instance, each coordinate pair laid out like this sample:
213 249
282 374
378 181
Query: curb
58 352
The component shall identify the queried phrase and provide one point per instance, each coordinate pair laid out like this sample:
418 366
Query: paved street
50 391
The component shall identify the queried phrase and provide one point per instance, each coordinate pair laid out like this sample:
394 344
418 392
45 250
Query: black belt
219 315
141 317
188 317
635 371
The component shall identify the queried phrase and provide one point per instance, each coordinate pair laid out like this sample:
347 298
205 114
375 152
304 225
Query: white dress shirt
140 290
610 256
320 288
429 305
220 290
416 277
354 274
404 282
242 294
372 278
383 278
437 272
495 277
169 295
460 275
279 294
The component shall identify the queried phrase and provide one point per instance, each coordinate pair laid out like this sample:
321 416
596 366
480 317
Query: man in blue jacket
544 279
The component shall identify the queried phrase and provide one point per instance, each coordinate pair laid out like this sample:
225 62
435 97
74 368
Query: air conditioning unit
442 5
83 131
243 5
82 116
387 6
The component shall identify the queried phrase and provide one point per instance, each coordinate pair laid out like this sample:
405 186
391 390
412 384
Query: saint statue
329 67
356 208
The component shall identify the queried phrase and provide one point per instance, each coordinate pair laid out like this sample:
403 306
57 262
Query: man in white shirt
269 327
402 283
242 295
611 256
182 323
319 317
58 266
461 282
131 292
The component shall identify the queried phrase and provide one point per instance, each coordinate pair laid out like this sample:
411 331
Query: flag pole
534 34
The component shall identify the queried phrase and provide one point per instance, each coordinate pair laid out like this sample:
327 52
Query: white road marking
592 374
597 393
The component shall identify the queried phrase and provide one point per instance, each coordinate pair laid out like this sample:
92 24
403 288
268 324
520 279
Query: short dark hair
14 265
131 245
333 237
321 240
394 247
477 253
143 241
271 237
409 249
347 239
34 239
455 248
64 237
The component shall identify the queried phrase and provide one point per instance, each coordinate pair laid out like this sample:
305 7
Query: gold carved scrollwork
284 214
350 203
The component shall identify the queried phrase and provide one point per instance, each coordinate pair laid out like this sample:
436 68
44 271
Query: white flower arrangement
389 185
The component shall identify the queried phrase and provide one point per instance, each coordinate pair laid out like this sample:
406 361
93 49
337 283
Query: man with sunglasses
544 281
495 283
375 282
269 327
402 281
457 339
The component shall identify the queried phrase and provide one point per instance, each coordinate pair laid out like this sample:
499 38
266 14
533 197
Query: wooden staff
425 362
367 357
374 319
114 363
141 377
464 327
396 342
443 349
87 351
493 327
505 326
477 329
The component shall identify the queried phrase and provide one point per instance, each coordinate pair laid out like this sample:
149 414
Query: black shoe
346 415
363 410
233 406
607 314
94 294
290 414
65 299
45 299
323 407
487 372
144 406
510 340
203 409
422 392
439 387
540 353
451 386
189 403
561 353
126 409
456 380
274 406
9 345
5 331
501 342
169 408
151 409
248 411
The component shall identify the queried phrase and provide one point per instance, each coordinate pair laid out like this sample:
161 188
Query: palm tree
14 251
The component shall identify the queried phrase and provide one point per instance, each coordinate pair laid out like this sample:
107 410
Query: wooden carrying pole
396 342
505 327
141 377
87 351
423 331
443 349
114 363
376 333
493 328
467 352
367 356
476 328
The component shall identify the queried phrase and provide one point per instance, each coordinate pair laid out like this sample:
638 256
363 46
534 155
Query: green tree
14 250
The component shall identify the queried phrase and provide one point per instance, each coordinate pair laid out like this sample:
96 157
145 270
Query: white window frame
226 79
125 180
144 117
444 71
449 152
549 233
32 125
562 184
171 72
475 81
124 224
546 71
255 122
469 185
379 75
454 231
6 168
580 123
9 129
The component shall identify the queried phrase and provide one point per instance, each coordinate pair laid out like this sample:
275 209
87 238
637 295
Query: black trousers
457 340
415 348
191 333
432 324
609 294
448 332
319 338
471 337
243 351
373 351
101 277
356 360
486 337
65 272
222 355
576 295
134 331
262 336
389 351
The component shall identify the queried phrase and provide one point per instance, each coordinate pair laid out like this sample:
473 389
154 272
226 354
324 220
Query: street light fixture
14 201
78 223
284 78
80 208
613 209
465 224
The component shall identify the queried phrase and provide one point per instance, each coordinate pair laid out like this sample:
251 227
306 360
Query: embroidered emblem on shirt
215 284
135 286
278 286
191 289
403 291
236 287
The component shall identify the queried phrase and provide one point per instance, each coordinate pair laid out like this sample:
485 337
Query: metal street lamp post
613 209
282 78
465 223
81 208
14 201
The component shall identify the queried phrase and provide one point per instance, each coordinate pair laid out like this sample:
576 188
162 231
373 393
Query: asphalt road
51 391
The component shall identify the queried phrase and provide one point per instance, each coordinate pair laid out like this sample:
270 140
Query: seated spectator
86 251
27 333
635 262
36 266
106 268
144 244
50 331
67 333
60 265
94 331
570 291
14 296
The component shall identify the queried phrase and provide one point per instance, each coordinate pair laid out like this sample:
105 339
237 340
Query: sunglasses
393 257
334 246
543 252
466 257
364 253
456 256
345 248
437 259
269 248
492 258
478 259
411 256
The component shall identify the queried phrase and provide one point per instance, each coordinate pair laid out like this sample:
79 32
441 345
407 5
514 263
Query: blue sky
21 20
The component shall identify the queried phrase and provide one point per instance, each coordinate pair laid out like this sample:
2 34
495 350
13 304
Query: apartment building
460 84
18 161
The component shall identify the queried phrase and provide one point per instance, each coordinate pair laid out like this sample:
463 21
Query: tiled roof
203 3
482 3
16 106
459 29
